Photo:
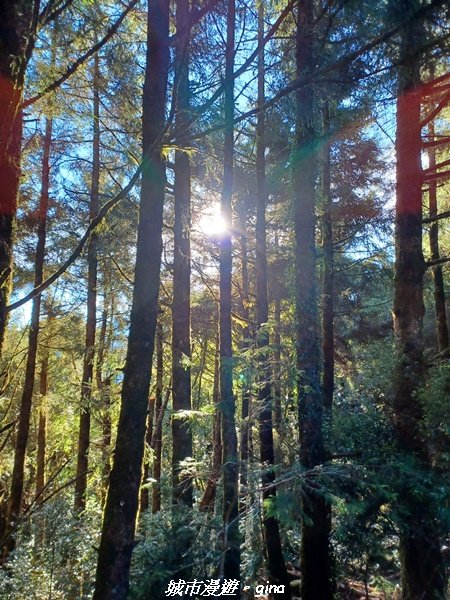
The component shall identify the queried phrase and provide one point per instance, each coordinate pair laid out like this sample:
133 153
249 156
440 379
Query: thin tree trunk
42 444
181 306
422 566
209 495
272 537
199 379
230 461
144 498
91 316
17 483
277 413
117 539
104 390
438 278
315 558
328 275
245 395
157 435
42 426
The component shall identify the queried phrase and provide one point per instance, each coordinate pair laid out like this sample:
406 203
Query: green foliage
171 544
434 397
54 558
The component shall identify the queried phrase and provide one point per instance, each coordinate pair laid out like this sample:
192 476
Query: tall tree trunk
42 444
315 560
91 315
23 429
328 273
438 277
422 567
104 385
277 390
145 496
272 537
181 306
17 30
209 495
230 460
245 394
42 426
157 435
117 539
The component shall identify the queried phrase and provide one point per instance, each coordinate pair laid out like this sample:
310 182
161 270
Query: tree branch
437 262
434 113
298 83
433 169
52 12
79 248
82 59
432 176
437 142
195 18
219 91
432 219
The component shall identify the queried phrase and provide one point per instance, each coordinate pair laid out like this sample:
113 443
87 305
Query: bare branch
434 113
437 262
432 176
432 219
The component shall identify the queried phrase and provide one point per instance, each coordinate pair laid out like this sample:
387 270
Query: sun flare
212 222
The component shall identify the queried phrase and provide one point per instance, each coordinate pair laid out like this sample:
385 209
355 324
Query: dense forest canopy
224 339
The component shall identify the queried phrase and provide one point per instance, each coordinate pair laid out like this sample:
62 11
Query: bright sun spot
212 223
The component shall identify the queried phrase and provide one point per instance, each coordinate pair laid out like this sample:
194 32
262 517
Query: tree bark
157 435
422 567
328 275
42 426
117 539
438 278
15 500
315 558
145 496
104 385
209 495
91 314
181 305
17 30
230 460
277 388
42 443
245 394
271 528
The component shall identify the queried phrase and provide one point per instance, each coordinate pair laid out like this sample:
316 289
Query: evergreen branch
51 11
220 90
105 209
82 59
298 83
195 18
